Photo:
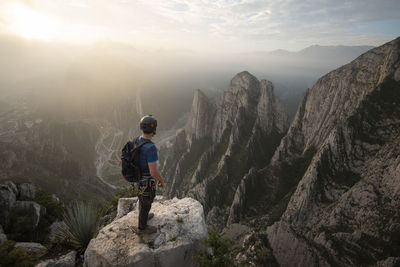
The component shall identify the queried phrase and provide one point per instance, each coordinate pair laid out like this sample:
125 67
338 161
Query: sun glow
33 25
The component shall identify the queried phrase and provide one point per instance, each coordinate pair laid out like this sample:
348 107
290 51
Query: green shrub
264 257
221 248
54 209
81 223
11 256
19 226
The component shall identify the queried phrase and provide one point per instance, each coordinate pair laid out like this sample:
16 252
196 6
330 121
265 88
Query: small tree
12 256
217 251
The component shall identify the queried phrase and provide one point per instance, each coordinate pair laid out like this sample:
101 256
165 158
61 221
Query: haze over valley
109 86
278 132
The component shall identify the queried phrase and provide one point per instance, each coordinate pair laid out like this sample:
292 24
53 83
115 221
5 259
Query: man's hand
161 182
155 173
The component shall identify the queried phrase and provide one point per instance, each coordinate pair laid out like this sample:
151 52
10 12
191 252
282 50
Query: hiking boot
151 215
149 230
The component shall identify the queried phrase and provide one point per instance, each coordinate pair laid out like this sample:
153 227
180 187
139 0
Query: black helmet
148 124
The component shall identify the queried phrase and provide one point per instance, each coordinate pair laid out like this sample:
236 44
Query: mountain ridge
327 196
348 135
210 149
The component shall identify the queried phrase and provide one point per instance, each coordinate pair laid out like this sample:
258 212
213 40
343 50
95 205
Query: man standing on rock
149 170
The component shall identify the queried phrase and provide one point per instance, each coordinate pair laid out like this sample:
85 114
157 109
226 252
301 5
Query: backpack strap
139 145
142 142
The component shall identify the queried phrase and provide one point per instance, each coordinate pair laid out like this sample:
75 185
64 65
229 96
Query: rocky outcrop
12 187
125 205
3 237
20 214
67 260
7 201
34 249
54 232
181 226
344 209
27 191
32 210
128 204
201 116
224 138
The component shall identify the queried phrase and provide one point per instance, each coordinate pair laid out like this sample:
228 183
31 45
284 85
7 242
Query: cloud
244 24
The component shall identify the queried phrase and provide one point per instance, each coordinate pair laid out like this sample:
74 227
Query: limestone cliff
329 194
222 140
344 209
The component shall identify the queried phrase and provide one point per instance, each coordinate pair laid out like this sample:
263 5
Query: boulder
125 205
13 187
31 209
7 201
181 227
389 262
33 249
3 237
27 191
67 260
55 198
54 230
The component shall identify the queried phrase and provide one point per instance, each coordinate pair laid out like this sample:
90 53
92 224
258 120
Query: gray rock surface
55 227
7 201
126 205
389 262
13 187
55 198
224 138
237 232
27 191
344 210
31 209
67 260
3 237
34 249
181 226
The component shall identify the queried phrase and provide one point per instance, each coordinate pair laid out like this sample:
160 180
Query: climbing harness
144 183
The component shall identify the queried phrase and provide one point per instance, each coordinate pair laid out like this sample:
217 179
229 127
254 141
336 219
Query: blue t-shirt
148 153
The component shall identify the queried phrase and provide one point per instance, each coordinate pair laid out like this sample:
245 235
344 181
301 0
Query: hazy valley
297 164
59 97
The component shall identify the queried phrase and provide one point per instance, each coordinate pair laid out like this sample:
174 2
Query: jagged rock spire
226 135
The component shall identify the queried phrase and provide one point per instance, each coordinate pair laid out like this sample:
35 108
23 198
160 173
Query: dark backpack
130 160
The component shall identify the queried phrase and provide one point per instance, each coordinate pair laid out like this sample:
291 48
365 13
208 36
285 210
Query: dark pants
145 200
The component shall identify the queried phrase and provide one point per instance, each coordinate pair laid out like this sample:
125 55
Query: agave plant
80 225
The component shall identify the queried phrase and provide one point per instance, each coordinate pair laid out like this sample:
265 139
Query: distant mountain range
322 50
310 62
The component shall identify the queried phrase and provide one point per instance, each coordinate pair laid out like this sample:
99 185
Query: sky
205 25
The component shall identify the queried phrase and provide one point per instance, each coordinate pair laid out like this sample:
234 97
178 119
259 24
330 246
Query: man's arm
155 173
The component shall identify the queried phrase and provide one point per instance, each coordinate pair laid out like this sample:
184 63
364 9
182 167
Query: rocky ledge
181 227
